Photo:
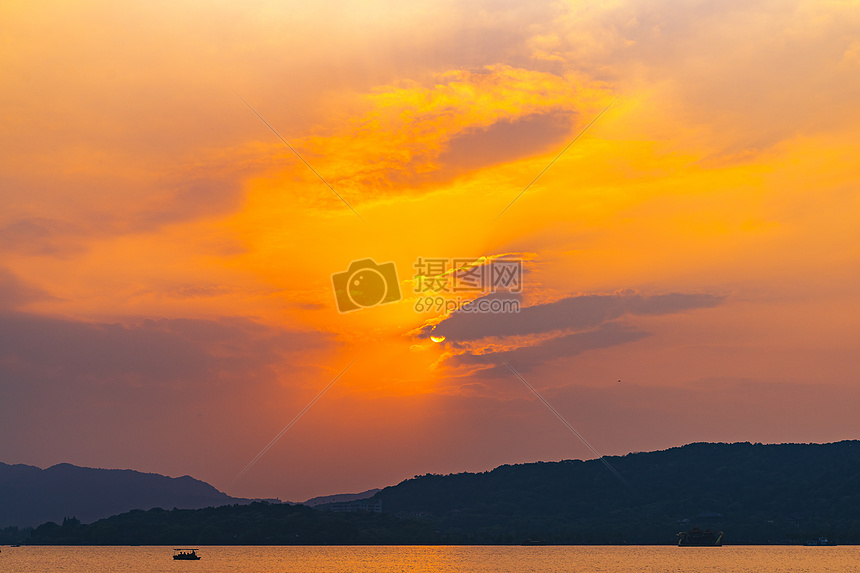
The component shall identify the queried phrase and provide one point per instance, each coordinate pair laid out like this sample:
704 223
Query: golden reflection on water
436 559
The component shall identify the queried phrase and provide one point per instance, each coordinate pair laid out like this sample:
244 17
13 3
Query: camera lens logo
365 284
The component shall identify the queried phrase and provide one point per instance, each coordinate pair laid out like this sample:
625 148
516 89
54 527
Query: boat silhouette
185 555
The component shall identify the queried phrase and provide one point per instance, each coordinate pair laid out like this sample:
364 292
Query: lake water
436 559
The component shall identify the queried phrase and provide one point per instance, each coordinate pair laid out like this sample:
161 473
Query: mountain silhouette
755 493
30 495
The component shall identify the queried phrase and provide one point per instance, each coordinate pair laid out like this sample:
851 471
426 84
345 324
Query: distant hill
783 493
258 523
30 495
340 497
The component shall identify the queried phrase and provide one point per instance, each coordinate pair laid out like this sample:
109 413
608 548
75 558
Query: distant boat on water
698 538
185 554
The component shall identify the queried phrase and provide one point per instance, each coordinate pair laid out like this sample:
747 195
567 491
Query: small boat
698 538
185 554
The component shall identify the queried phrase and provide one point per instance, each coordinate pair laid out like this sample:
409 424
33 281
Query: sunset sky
691 263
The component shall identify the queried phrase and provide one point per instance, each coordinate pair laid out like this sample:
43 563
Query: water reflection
437 559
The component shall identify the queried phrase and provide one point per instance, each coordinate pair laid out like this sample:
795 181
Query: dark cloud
154 352
571 313
14 292
180 199
525 358
191 199
565 328
507 140
41 236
